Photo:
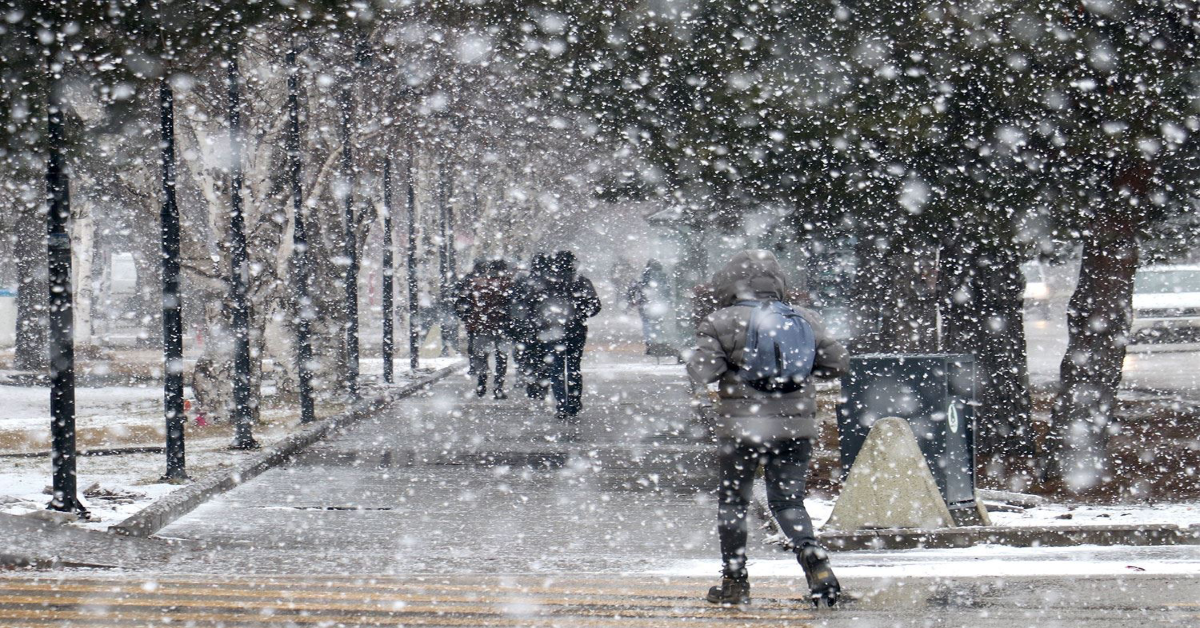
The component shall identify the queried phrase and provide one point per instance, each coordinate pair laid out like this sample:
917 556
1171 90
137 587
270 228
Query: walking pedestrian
763 356
527 350
460 289
562 310
651 295
484 305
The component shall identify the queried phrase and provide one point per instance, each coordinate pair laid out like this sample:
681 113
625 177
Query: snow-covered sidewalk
1182 514
130 417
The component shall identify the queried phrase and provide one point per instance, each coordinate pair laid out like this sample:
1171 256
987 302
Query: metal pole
388 330
61 314
172 300
414 332
350 240
243 437
300 255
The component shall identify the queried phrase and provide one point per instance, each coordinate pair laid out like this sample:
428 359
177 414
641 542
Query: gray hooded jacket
743 412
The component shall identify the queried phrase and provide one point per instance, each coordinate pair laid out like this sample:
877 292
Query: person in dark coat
460 290
754 428
651 295
562 310
527 351
484 304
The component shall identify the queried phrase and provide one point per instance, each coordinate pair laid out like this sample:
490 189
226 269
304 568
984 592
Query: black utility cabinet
936 395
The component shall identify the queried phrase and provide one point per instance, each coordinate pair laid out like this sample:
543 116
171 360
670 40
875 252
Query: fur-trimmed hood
751 274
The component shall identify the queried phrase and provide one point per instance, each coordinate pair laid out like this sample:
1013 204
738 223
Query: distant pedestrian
459 290
528 352
561 313
483 305
763 355
651 295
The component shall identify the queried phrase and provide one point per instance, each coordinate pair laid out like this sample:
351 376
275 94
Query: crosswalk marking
69 600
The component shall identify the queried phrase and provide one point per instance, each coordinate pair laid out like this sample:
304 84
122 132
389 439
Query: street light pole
388 329
414 332
172 300
243 437
300 253
61 314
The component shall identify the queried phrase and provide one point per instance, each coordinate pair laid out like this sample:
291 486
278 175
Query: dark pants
564 372
527 353
481 347
471 362
785 465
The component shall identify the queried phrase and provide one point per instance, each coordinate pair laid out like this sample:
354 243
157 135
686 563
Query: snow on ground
373 367
28 407
116 486
1181 514
982 561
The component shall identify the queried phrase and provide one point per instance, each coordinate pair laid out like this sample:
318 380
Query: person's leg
478 361
574 367
502 348
519 363
786 473
655 326
558 378
472 366
539 369
738 461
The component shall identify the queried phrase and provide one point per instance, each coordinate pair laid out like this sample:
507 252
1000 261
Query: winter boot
822 584
734 590
499 394
481 386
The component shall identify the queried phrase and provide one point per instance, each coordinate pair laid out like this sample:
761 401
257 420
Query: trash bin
936 395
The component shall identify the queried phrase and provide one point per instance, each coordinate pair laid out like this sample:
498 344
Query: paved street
450 483
446 509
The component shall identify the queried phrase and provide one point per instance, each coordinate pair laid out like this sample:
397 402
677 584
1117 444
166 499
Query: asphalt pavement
448 509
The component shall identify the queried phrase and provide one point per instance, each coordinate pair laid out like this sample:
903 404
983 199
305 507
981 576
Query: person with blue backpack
763 354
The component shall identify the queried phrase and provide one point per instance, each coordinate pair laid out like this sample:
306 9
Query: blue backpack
780 348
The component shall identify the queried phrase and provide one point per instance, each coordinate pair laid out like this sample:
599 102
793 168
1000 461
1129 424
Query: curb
1040 536
13 562
162 512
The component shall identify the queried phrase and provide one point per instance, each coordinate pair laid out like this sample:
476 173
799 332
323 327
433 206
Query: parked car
1166 303
1037 289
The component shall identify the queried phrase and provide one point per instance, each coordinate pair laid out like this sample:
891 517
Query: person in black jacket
561 314
527 351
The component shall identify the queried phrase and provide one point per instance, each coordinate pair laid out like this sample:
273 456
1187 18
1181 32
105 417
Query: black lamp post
300 253
172 300
61 336
239 275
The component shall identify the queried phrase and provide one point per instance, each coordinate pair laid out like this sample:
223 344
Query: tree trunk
981 292
1098 319
892 306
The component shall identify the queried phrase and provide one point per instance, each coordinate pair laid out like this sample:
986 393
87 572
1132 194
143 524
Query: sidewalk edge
162 512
